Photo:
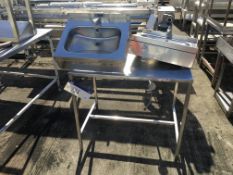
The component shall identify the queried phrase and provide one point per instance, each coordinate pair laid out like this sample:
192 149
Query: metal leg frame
219 95
175 123
218 64
27 106
54 63
55 79
183 120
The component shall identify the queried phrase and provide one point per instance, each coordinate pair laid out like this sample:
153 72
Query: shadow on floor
41 121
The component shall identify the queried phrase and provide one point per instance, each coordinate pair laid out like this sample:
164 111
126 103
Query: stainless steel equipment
25 31
96 40
187 7
224 97
16 31
58 13
217 21
177 50
162 18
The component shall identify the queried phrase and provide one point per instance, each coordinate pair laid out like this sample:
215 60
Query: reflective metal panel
178 50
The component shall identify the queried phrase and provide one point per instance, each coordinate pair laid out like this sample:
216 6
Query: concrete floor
44 140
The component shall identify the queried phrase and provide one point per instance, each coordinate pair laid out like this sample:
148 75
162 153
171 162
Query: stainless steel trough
177 50
99 43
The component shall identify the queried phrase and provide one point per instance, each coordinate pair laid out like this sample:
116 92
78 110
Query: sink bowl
99 40
85 45
179 50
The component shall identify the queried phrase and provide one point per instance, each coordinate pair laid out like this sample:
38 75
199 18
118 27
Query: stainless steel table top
6 53
136 69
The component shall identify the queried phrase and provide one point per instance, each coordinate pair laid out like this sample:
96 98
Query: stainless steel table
42 34
161 72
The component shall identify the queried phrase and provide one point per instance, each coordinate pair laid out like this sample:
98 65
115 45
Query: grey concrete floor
44 140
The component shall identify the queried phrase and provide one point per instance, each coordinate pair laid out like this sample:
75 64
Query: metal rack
56 14
217 23
225 58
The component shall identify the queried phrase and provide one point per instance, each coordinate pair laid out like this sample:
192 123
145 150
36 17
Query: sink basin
86 45
179 50
93 40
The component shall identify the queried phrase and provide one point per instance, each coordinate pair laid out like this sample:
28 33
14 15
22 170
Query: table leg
222 69
183 120
76 114
218 66
54 63
176 126
95 93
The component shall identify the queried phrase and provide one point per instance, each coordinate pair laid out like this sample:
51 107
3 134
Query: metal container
178 50
99 43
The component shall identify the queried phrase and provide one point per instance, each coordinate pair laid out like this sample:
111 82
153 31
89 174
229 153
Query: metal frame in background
178 127
42 34
56 15
199 19
214 27
224 53
186 13
12 21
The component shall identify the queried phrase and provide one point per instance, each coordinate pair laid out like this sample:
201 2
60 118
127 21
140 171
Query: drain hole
97 43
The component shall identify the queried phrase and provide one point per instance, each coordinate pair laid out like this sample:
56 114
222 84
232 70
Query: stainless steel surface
187 8
174 112
183 119
93 107
24 28
77 122
8 52
86 5
101 43
13 30
219 25
30 17
157 71
131 119
162 18
178 50
190 4
218 22
54 14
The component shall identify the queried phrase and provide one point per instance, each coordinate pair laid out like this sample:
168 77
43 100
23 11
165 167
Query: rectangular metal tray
179 50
